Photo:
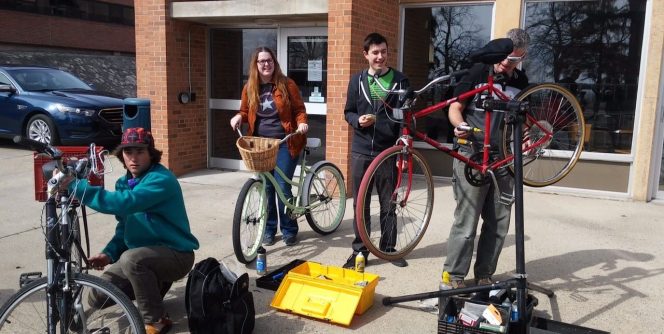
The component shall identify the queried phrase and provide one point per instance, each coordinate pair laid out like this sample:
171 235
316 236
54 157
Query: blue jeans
287 165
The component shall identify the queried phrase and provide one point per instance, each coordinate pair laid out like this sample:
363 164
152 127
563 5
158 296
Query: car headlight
64 109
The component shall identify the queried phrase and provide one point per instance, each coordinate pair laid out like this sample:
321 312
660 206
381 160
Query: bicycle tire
25 311
411 218
249 221
76 258
325 195
557 110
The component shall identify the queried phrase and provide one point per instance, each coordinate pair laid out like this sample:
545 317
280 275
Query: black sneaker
350 263
268 240
400 262
290 241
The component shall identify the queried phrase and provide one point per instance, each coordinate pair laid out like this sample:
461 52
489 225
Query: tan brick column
349 21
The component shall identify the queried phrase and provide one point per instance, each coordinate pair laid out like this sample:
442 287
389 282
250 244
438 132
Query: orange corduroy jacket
290 116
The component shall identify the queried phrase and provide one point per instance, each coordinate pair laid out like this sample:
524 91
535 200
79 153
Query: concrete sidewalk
603 258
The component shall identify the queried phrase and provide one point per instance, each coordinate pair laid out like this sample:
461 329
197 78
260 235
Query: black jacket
385 131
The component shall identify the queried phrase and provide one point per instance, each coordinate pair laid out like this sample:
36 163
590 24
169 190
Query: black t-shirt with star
268 123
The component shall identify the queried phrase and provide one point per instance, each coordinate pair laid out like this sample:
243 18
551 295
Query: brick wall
162 66
349 21
44 30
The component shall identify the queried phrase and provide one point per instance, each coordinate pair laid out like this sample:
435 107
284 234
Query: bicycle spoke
392 232
249 221
324 197
554 129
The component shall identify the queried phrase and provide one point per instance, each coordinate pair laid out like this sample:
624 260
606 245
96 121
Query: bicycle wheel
76 258
553 109
26 311
325 197
249 220
393 230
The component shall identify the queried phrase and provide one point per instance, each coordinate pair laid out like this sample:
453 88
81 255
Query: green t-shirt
386 80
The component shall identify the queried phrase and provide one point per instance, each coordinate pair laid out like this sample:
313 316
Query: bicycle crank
473 176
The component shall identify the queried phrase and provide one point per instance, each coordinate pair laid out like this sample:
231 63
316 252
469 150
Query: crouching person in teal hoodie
153 245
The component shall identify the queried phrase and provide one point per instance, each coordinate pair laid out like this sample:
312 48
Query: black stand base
532 286
515 112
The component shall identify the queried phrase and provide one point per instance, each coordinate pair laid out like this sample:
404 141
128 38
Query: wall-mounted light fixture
188 96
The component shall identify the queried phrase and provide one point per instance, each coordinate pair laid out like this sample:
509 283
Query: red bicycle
553 132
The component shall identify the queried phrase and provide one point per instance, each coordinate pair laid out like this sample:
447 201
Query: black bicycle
67 300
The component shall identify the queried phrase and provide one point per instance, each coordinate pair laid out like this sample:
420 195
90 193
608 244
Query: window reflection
439 40
307 66
593 48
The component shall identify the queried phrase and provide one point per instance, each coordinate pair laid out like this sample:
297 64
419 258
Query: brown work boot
456 284
483 281
160 327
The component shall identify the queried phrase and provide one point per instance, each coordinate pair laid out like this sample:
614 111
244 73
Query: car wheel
42 129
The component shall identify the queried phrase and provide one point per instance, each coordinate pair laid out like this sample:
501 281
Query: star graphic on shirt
266 105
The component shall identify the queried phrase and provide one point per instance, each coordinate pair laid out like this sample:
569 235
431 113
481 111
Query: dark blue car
55 107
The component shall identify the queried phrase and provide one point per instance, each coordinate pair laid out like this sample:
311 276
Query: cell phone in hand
371 116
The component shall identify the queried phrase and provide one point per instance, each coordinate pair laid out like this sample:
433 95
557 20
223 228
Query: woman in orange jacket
273 107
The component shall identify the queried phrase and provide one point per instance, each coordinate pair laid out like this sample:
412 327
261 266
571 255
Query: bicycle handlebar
78 168
403 92
280 141
40 147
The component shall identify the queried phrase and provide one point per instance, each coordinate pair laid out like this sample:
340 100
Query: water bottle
445 281
261 261
514 315
359 262
443 302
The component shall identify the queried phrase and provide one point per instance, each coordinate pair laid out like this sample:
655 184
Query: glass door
305 53
302 54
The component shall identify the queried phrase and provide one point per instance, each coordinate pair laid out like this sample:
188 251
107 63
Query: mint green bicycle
319 194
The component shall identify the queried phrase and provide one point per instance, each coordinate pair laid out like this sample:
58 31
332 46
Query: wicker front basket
258 153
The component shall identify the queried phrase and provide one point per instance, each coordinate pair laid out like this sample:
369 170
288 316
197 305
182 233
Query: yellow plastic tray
325 292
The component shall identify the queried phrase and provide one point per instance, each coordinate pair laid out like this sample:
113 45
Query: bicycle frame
58 257
294 204
408 131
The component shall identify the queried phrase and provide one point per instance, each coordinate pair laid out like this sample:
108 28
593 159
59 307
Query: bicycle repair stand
515 115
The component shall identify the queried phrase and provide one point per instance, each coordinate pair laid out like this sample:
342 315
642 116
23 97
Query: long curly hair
254 82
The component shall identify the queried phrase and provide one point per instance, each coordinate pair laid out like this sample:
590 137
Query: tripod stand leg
549 293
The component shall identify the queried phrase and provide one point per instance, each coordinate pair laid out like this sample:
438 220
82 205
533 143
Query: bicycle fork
403 160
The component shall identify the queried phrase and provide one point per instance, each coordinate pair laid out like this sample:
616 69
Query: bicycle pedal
26 278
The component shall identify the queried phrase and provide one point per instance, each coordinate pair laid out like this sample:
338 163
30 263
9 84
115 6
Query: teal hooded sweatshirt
152 213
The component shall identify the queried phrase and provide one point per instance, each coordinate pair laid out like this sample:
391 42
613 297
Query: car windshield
46 79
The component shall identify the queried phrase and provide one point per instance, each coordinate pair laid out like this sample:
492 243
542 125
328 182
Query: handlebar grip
81 168
38 146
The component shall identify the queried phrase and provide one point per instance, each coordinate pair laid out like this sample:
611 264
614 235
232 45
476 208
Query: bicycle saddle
493 52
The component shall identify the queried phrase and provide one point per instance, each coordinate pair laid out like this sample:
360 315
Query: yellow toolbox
325 292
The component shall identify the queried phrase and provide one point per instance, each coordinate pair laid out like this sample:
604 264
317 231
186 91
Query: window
594 49
79 9
307 66
230 52
438 40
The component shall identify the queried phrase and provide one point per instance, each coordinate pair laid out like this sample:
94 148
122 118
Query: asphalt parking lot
603 258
